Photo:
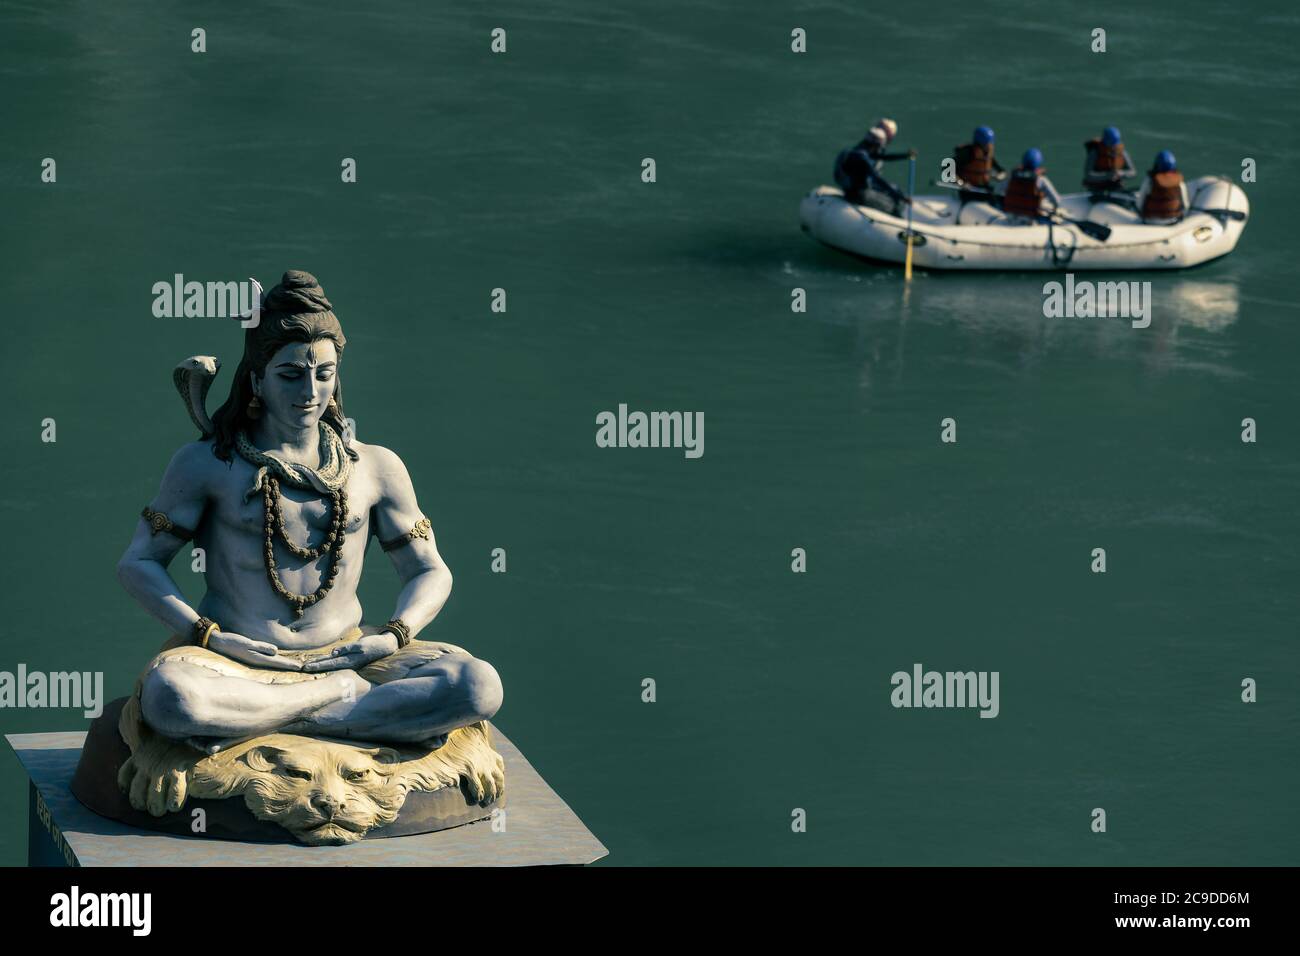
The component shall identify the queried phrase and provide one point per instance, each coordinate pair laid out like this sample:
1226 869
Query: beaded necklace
330 481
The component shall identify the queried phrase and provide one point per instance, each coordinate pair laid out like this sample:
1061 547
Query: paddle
1096 230
983 190
1234 214
911 188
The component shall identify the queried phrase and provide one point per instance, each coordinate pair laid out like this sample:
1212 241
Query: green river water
522 171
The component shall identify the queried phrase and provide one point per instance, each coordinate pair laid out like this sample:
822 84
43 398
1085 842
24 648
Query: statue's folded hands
354 655
248 651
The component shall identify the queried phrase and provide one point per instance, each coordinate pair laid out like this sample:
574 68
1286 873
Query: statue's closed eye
296 773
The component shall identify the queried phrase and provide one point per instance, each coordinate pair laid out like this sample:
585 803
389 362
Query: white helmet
878 136
889 126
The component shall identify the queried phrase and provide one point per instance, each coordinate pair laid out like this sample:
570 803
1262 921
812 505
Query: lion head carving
330 792
319 792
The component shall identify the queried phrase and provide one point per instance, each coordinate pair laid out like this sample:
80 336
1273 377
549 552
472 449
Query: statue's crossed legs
418 694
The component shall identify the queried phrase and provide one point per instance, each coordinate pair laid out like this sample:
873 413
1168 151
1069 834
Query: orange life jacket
974 163
1165 200
1023 197
1105 158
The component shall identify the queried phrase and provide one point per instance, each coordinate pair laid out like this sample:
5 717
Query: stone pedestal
94 783
433 829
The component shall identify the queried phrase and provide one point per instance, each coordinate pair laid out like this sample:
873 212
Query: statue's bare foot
349 687
343 690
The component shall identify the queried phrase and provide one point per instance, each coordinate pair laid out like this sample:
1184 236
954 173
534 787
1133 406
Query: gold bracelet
397 627
203 629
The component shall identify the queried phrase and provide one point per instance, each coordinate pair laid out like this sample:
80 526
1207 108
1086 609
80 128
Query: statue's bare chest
307 515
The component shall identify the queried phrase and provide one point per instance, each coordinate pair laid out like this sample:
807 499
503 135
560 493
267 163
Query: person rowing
1030 196
976 166
1106 167
1162 200
857 170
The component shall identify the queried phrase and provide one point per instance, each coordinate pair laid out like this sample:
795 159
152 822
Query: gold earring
254 407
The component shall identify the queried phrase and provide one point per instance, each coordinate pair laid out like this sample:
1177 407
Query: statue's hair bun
297 279
298 292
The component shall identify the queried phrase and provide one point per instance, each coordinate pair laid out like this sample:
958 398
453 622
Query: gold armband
158 521
422 529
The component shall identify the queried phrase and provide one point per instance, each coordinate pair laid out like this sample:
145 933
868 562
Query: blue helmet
1110 136
983 135
1165 161
1033 158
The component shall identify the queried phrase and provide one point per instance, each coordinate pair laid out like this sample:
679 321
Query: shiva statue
282 500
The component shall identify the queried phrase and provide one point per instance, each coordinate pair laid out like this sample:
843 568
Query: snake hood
193 378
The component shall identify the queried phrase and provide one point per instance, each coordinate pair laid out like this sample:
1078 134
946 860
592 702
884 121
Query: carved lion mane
323 791
332 792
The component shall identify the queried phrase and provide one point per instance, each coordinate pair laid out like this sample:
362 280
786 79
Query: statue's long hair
296 310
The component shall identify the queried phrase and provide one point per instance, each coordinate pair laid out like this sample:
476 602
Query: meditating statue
272 687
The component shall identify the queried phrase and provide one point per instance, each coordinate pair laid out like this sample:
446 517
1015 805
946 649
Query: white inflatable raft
949 235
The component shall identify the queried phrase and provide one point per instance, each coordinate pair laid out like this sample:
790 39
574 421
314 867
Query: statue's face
299 382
